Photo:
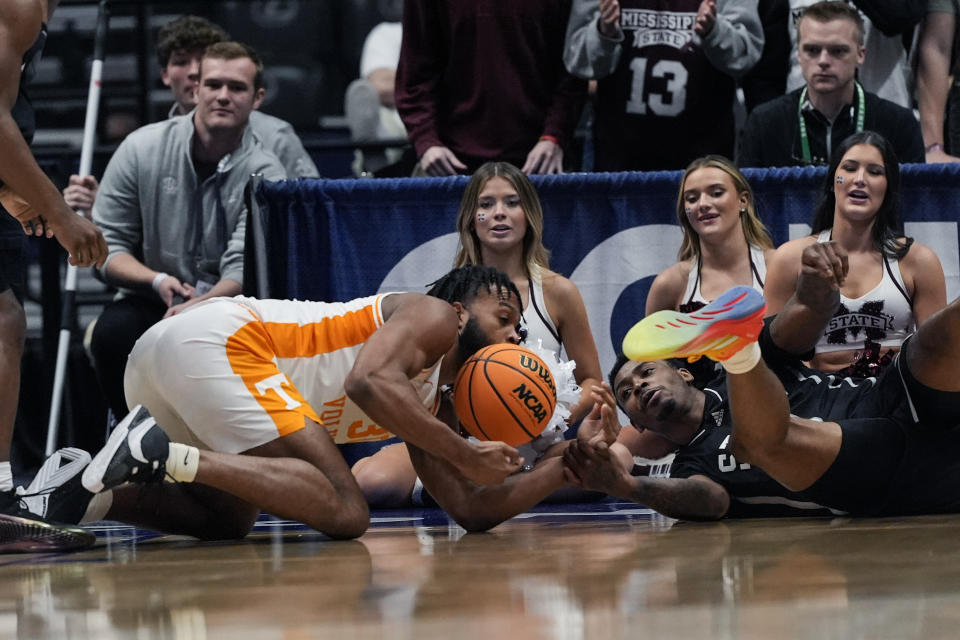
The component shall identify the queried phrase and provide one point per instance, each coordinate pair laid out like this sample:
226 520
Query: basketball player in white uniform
254 394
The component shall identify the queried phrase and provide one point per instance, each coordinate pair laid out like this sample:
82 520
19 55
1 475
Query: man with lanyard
802 127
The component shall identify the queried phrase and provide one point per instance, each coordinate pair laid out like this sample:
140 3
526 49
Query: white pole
70 286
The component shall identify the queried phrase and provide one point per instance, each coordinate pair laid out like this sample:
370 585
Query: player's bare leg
387 478
794 451
933 354
300 476
183 508
12 331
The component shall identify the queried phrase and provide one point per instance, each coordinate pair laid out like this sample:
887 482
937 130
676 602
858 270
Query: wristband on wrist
936 146
549 138
157 279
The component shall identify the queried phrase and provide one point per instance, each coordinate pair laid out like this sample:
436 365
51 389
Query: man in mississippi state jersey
665 71
251 394
779 437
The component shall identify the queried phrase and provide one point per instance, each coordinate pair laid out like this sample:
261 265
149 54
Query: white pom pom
568 393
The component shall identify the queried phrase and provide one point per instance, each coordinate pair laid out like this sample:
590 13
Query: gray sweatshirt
149 204
277 136
733 46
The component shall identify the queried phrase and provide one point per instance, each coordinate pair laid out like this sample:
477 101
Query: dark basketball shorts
12 255
904 459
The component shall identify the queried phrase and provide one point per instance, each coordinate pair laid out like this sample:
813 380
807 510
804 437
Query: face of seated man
226 94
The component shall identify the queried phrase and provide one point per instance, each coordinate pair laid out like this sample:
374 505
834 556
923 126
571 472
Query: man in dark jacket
802 127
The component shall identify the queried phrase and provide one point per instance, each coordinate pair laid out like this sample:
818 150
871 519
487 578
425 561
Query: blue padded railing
611 233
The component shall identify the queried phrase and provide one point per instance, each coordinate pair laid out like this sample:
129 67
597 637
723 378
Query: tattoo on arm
695 498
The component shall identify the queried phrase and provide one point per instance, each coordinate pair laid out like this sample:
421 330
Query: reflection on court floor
609 570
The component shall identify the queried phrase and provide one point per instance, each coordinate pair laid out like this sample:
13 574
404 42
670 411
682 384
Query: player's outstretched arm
27 193
595 467
418 331
479 508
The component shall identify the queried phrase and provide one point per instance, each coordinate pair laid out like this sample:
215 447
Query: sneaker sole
23 535
92 479
724 326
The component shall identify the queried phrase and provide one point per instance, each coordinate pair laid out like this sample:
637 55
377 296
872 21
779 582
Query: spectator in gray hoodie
171 209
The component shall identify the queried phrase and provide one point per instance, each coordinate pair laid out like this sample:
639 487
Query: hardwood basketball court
605 570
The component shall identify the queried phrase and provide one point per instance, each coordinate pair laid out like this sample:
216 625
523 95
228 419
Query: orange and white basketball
505 392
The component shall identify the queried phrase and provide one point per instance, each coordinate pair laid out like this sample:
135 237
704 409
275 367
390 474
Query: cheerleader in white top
892 285
500 221
724 242
724 245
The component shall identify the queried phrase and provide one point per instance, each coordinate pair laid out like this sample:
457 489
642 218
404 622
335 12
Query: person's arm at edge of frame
933 80
28 194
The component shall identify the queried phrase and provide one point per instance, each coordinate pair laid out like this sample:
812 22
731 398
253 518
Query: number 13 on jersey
671 102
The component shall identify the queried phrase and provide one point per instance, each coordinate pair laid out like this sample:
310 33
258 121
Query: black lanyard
805 139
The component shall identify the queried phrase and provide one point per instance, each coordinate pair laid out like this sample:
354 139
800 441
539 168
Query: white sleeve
381 49
736 41
587 53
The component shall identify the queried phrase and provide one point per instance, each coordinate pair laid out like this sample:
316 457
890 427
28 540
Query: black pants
952 133
13 245
118 328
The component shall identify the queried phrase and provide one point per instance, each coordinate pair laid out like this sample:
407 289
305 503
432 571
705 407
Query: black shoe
136 452
56 492
23 531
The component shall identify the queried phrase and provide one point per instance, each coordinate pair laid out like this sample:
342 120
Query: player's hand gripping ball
504 392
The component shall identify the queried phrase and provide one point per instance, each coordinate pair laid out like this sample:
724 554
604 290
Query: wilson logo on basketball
536 365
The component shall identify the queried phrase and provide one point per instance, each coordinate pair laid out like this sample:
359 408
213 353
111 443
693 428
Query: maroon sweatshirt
486 77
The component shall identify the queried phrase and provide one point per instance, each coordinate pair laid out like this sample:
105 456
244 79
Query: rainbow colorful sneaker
717 331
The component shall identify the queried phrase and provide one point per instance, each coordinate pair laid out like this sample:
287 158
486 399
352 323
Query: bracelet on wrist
157 279
936 146
550 138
